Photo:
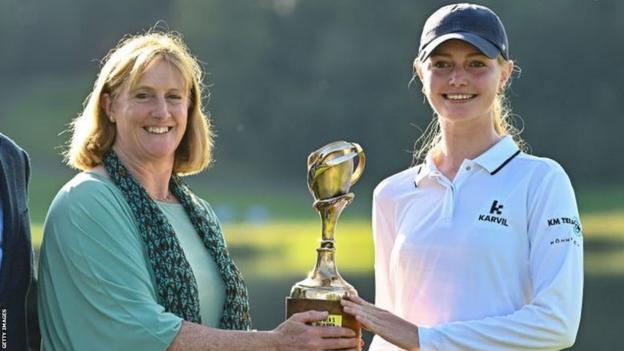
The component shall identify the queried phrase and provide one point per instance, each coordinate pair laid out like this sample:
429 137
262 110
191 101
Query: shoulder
9 149
545 179
8 145
89 209
86 186
539 170
396 184
539 165
87 194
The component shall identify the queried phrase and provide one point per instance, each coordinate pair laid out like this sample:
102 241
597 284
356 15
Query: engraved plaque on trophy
331 173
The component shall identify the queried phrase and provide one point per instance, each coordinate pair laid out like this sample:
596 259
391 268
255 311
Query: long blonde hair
503 122
93 134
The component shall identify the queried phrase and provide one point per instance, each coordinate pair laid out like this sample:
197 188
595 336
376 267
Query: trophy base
336 317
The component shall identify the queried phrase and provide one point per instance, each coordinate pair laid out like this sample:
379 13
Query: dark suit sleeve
17 266
34 335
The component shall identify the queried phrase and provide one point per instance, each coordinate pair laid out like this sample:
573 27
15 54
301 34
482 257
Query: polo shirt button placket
449 198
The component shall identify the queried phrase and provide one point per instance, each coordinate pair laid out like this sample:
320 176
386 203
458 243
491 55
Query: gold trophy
331 174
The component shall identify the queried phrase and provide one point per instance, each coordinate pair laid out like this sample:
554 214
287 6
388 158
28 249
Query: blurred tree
287 76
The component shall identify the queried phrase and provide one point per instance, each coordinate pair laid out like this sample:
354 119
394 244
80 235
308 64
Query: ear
106 103
506 71
417 65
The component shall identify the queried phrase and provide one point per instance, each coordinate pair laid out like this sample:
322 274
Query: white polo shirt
492 260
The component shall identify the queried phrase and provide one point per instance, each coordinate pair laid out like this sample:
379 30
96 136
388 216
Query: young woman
479 247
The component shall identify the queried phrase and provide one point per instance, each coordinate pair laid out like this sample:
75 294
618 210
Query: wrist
271 340
410 340
415 344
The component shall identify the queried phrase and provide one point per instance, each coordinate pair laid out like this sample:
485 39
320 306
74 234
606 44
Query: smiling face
151 117
461 83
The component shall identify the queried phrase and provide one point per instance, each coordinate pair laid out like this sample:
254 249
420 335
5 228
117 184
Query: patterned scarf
176 285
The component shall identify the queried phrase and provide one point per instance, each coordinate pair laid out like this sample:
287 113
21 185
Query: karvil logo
495 209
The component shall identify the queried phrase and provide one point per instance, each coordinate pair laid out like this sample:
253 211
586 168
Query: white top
492 260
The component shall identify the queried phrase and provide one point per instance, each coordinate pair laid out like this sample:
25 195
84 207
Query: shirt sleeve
550 320
96 289
383 237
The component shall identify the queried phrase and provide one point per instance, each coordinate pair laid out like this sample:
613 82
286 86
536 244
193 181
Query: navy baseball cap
474 24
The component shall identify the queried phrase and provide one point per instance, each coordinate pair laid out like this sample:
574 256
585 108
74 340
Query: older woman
131 258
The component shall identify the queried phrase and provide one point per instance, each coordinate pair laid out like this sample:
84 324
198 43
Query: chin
161 154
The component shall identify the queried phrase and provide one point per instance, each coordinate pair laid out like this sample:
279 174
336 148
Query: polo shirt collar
492 160
496 157
426 169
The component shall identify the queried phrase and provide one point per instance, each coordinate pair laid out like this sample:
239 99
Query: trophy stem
325 270
329 210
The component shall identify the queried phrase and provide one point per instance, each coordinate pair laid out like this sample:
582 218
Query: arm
384 235
95 287
34 335
292 335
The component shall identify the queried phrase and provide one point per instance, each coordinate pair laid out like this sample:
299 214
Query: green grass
288 246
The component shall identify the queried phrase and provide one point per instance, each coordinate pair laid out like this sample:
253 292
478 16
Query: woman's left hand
394 329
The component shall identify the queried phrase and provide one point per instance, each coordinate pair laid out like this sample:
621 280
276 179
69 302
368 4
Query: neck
462 142
153 176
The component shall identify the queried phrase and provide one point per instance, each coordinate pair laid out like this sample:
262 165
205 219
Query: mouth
157 130
459 97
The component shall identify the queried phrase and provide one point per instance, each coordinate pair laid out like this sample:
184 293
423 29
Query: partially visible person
18 328
131 258
478 246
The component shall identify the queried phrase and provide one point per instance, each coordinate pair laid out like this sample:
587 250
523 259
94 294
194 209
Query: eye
477 64
141 95
441 64
175 96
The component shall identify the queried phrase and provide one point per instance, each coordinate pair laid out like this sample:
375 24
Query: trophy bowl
330 169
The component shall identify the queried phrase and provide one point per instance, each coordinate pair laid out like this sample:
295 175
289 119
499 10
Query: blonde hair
93 134
429 140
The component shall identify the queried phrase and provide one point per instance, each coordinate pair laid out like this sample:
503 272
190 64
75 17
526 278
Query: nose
458 77
160 108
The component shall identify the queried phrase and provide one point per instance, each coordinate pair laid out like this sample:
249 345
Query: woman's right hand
389 326
296 334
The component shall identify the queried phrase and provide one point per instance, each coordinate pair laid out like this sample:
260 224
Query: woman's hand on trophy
394 329
296 334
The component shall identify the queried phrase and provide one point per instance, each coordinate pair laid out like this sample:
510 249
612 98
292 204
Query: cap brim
488 49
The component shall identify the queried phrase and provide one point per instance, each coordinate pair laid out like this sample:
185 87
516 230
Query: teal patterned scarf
176 285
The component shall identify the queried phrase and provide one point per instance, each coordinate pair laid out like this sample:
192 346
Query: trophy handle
318 163
360 165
